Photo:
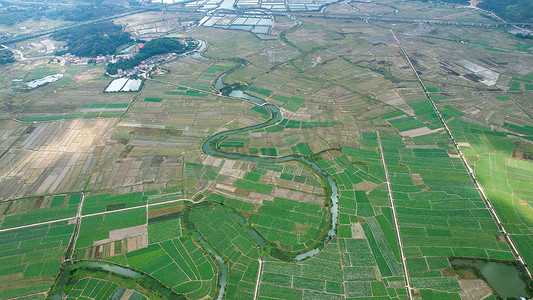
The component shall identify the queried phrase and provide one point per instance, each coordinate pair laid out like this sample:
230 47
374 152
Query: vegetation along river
212 147
503 278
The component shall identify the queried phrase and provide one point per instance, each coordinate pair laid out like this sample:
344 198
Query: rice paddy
92 174
224 233
31 258
92 288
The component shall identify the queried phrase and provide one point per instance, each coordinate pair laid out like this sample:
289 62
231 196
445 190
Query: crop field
51 158
163 230
223 40
442 10
153 138
350 102
344 268
222 230
279 140
294 225
150 25
256 182
107 202
137 166
86 282
38 209
364 260
440 215
291 225
504 174
178 263
348 176
123 237
499 160
70 97
10 131
30 258
97 230
93 288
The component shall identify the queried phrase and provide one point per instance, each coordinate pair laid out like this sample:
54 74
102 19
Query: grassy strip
153 99
144 283
106 105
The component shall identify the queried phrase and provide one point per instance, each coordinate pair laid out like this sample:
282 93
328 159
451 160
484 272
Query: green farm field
338 169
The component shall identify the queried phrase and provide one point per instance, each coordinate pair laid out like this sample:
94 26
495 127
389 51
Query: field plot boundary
471 173
96 214
395 220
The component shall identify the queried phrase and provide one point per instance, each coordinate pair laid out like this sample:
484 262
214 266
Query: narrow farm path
395 219
79 215
473 177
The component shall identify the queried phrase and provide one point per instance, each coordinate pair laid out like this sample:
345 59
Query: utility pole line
395 220
473 177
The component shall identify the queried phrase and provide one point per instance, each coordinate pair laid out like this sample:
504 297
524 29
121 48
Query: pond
503 278
115 269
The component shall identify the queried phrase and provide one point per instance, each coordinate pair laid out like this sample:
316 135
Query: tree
96 39
151 48
6 56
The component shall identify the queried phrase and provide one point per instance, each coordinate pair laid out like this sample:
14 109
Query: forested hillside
93 40
510 10
151 48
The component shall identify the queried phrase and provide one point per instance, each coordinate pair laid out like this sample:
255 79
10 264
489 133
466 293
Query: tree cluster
92 40
151 48
511 10
6 56
10 16
13 14
81 13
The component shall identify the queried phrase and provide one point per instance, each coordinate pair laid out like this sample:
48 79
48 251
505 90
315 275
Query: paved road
48 31
72 244
395 19
473 177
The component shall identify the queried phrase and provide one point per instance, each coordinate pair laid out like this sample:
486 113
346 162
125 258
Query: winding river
212 147
223 279
514 287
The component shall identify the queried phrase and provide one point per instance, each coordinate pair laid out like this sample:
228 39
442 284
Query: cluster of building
147 65
73 60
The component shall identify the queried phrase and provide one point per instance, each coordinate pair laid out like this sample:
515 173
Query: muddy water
504 279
